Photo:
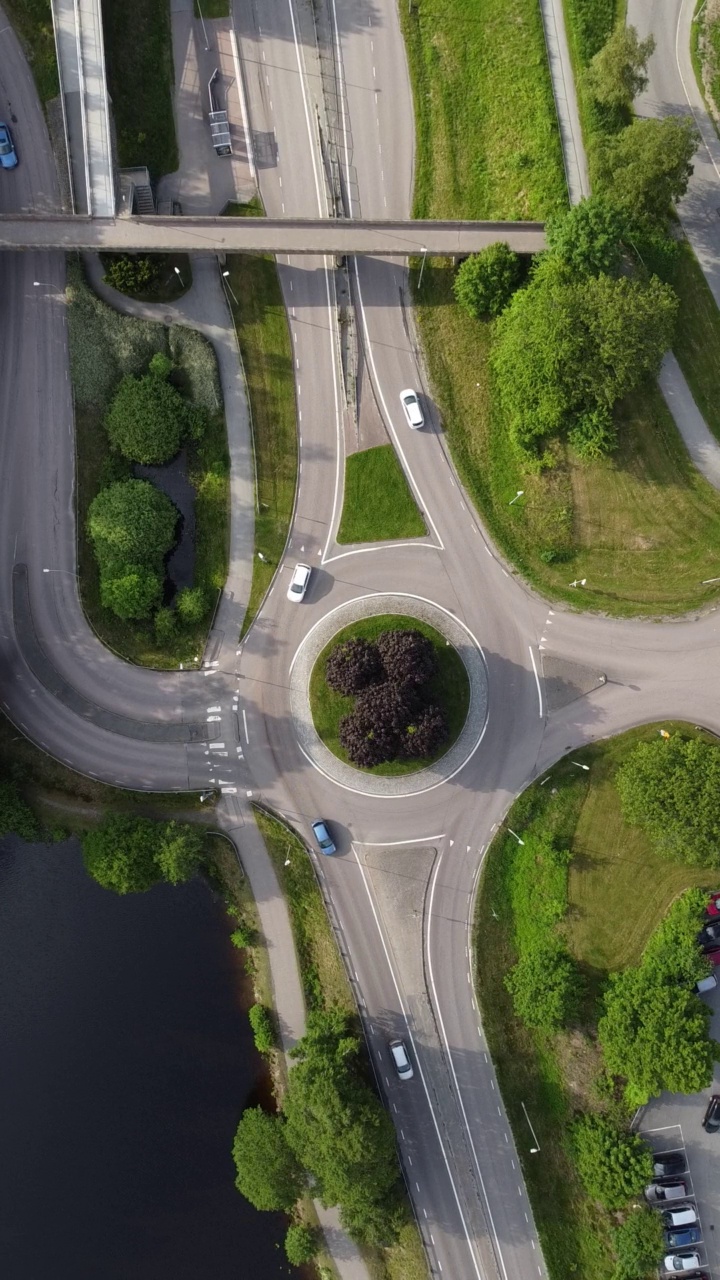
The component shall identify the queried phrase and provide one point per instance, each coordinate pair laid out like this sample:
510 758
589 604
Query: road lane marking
247 737
391 844
537 680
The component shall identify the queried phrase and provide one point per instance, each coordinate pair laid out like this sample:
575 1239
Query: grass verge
608 923
450 689
212 8
33 24
264 338
325 983
642 527
377 504
105 345
487 141
141 82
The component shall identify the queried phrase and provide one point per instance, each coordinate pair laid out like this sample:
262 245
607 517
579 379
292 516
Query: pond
125 1065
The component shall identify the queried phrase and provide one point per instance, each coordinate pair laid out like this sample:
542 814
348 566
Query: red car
714 956
713 906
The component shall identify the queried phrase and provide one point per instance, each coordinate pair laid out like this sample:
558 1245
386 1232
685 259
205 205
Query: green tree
268 1174
571 347
120 853
339 1130
485 282
131 273
672 953
544 984
654 1035
134 593
263 1029
588 236
617 73
638 1245
179 851
647 166
16 816
671 788
301 1244
192 605
165 626
614 1165
131 523
146 419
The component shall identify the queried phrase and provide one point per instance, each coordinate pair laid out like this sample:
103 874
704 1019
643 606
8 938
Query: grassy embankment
141 82
104 346
264 338
643 526
449 688
33 24
325 984
377 503
619 890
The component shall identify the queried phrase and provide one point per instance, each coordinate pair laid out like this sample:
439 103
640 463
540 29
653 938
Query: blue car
322 835
8 154
682 1236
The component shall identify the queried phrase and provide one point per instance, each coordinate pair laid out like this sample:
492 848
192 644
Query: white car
411 407
400 1058
679 1262
299 582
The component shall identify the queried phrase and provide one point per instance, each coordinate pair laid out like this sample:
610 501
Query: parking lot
673 1122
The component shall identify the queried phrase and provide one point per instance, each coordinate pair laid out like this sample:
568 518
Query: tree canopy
671 788
588 236
132 594
614 1165
544 985
131 523
147 418
484 282
568 348
129 854
16 816
617 73
638 1245
647 166
268 1174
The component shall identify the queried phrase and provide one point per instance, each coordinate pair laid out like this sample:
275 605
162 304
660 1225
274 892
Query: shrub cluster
671 788
393 718
132 273
132 528
129 855
148 417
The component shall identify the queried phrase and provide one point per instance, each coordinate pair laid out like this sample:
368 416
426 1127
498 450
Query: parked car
682 1262
711 1119
411 408
713 906
709 935
668 1163
703 985
299 582
698 1275
665 1192
714 956
322 835
681 1236
8 154
401 1060
682 1215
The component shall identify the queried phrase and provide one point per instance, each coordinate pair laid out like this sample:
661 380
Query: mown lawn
619 891
104 346
449 688
32 20
643 527
264 337
487 142
378 504
141 82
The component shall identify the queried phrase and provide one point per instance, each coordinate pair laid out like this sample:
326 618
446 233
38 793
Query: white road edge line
537 679
478 1271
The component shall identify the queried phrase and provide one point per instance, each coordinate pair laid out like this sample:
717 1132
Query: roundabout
412 608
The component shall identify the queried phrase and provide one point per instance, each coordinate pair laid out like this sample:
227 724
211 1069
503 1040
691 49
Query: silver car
411 408
401 1060
299 582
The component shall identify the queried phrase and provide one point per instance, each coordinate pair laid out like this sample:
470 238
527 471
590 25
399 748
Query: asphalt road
411 972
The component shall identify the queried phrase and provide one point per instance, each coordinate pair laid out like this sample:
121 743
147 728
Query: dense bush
147 419
485 282
130 273
129 854
262 1027
352 665
408 657
15 815
671 788
131 523
613 1164
545 985
192 605
638 1245
134 593
588 236
425 735
301 1244
268 1174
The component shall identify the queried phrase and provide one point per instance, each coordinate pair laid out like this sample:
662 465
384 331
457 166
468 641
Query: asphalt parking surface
673 1122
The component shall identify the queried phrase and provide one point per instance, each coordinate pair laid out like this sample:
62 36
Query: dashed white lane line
247 738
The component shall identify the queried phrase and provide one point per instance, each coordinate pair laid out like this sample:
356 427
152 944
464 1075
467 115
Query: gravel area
344 774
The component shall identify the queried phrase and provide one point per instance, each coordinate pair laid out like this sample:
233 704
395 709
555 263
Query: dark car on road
711 1119
666 1192
668 1163
682 1236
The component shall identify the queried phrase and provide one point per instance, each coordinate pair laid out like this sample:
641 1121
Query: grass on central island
449 688
378 504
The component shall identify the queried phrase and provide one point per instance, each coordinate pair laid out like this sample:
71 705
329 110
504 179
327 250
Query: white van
703 985
683 1216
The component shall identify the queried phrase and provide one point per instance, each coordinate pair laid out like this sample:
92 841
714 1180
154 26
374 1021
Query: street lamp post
515 834
519 494
177 273
70 571
225 276
578 765
579 582
422 266
200 12
533 1150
